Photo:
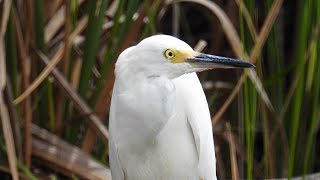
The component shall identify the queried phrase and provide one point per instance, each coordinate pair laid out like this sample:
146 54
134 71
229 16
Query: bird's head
163 55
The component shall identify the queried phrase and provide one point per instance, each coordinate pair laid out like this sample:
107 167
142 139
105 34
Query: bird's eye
169 54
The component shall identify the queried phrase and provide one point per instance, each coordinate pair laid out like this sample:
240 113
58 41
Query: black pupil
170 54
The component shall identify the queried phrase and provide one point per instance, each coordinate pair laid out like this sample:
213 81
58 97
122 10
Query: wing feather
200 121
116 169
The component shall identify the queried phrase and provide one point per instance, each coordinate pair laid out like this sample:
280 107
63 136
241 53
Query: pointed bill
202 60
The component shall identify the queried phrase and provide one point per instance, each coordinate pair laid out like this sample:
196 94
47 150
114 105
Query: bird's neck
131 76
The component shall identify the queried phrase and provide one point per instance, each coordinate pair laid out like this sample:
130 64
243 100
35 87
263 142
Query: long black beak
211 61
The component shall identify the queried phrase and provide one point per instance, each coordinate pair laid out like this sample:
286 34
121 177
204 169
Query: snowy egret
160 125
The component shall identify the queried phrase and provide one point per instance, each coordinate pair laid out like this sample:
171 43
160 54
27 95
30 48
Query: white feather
159 123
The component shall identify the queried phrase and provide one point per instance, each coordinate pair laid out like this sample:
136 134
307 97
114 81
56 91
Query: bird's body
160 124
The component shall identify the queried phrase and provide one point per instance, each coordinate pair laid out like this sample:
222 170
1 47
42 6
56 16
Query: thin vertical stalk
24 59
301 44
96 15
314 110
232 152
274 56
250 98
60 101
4 114
11 52
274 68
46 105
152 10
314 87
15 123
176 19
241 101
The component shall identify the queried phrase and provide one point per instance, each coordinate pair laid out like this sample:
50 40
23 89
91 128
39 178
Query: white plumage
160 125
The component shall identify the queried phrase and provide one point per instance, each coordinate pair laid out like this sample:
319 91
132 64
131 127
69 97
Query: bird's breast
172 154
141 111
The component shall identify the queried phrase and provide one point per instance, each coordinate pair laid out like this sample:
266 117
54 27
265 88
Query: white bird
160 125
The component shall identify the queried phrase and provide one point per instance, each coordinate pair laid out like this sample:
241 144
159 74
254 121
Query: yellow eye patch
178 56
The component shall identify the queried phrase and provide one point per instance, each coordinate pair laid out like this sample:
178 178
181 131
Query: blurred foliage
270 143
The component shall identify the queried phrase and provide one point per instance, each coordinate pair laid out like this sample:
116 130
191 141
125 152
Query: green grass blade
151 13
314 118
249 97
74 12
26 171
91 44
313 85
39 23
274 58
11 53
274 82
45 89
301 43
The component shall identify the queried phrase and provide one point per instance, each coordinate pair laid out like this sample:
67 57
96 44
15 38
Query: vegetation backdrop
56 77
